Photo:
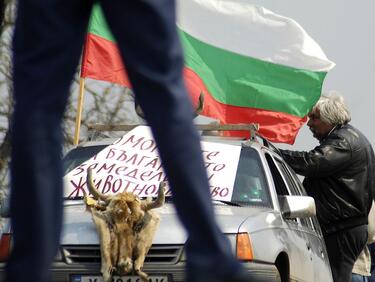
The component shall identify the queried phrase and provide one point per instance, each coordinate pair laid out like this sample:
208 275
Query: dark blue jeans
47 46
359 278
343 249
371 248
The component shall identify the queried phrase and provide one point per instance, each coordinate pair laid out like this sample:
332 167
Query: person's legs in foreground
147 37
343 249
372 253
47 44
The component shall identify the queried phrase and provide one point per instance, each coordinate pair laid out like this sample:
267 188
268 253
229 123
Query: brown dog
126 227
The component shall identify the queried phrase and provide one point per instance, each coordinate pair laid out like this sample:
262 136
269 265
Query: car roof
208 133
236 141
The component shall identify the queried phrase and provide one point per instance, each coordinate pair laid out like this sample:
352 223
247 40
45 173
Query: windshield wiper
228 203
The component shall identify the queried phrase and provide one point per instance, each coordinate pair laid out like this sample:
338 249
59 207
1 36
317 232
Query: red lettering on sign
132 173
215 191
118 183
93 166
79 169
150 190
111 153
153 163
144 175
138 189
132 140
106 168
132 159
224 192
218 191
210 176
142 159
211 155
78 188
122 156
147 145
218 167
107 184
120 169
158 176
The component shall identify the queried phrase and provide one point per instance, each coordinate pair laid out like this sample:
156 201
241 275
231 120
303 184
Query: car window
250 186
280 186
289 180
79 155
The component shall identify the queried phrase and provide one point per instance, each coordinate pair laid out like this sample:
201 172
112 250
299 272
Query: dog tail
90 184
159 200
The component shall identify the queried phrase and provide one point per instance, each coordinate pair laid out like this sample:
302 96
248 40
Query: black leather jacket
339 174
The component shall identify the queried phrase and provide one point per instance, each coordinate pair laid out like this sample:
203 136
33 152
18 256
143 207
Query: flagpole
79 110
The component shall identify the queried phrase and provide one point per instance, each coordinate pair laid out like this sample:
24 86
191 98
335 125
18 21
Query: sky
345 30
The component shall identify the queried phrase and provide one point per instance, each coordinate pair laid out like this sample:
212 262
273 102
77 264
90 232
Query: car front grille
165 254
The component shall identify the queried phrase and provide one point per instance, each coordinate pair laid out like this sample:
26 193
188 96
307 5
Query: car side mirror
4 207
297 206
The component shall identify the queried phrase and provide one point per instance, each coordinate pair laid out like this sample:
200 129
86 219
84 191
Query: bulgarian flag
252 65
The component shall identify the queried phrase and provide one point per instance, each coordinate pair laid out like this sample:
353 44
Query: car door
300 256
313 235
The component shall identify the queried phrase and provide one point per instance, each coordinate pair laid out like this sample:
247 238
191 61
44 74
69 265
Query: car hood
79 228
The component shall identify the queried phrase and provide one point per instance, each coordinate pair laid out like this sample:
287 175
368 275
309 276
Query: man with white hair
339 175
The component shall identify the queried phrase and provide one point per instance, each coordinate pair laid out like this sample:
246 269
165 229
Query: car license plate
96 278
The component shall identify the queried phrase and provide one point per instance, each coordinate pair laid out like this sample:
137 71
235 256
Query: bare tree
6 102
103 102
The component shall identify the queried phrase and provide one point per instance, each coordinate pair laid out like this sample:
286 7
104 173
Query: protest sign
132 164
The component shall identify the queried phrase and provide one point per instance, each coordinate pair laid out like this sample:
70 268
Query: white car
269 221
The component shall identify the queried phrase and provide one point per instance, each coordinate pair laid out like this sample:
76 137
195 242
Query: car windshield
250 187
79 155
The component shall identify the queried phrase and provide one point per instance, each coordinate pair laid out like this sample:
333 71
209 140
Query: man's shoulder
341 136
351 136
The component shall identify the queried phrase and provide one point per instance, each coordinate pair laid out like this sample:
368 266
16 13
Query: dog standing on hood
126 226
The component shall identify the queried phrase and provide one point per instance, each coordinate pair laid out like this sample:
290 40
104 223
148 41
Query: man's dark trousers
343 249
47 45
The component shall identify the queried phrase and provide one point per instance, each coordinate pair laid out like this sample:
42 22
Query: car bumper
61 272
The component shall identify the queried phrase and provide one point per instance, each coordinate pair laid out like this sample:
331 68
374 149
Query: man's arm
323 160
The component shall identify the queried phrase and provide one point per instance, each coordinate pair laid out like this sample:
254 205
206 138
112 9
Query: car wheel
282 264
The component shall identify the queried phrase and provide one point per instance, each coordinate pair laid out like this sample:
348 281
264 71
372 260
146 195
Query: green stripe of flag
247 82
98 25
